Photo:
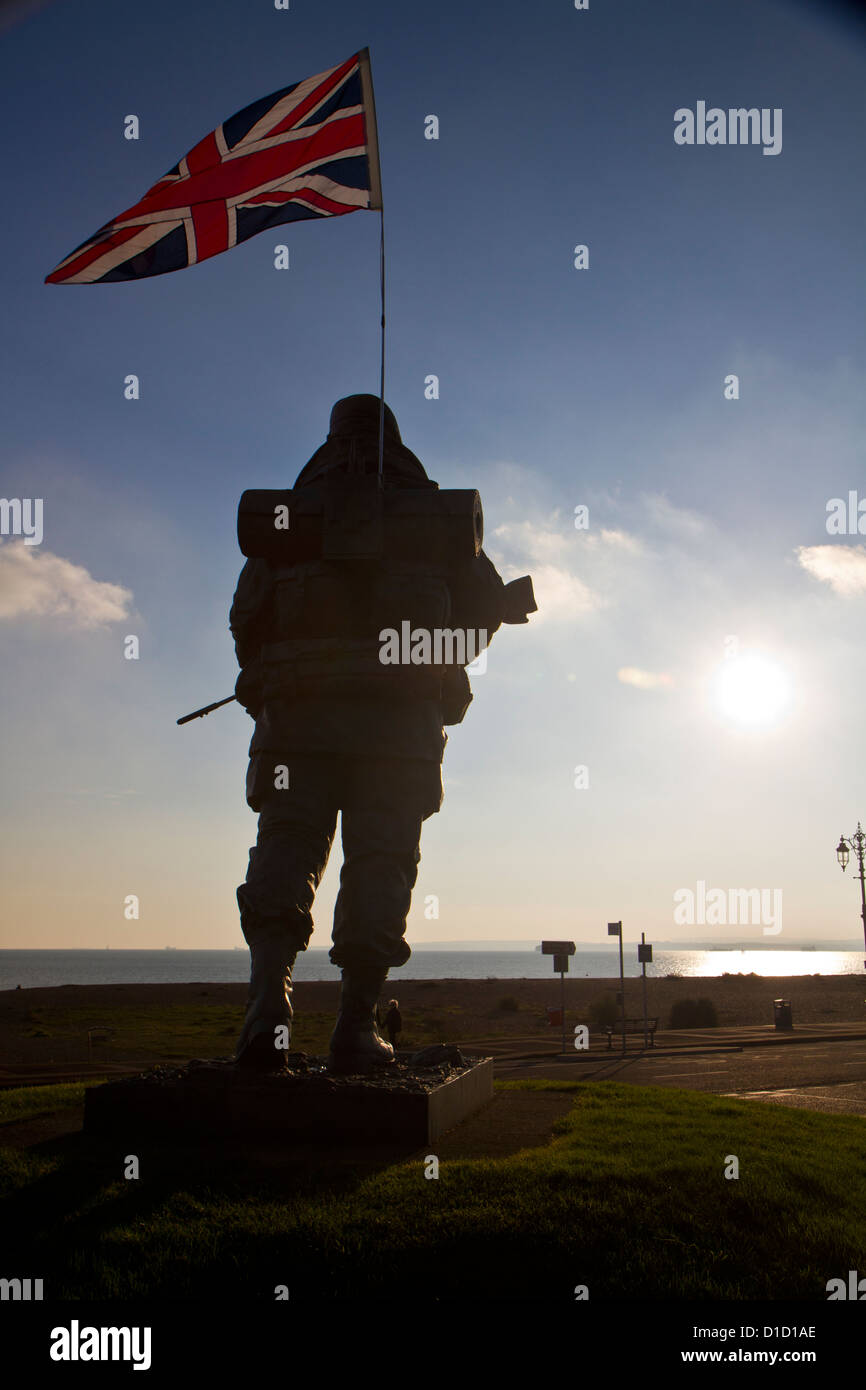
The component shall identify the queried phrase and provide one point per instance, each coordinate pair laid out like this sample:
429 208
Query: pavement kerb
710 1048
805 1038
599 1057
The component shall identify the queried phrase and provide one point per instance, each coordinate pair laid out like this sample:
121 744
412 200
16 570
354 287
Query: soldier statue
336 730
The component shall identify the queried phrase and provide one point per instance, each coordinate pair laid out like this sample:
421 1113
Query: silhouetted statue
351 561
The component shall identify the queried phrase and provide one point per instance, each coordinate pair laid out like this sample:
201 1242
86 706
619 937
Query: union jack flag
309 150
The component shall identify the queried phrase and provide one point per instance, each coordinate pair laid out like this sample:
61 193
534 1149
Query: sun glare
751 691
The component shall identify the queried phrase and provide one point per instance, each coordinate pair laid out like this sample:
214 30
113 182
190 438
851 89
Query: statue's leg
296 830
384 805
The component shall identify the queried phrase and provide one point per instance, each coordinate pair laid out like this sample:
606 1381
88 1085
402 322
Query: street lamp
843 854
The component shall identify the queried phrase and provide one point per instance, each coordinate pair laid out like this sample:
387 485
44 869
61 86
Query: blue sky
558 388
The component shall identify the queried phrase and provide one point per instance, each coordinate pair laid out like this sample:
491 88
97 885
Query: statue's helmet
352 446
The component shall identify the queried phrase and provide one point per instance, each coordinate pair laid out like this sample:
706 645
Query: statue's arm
478 597
249 620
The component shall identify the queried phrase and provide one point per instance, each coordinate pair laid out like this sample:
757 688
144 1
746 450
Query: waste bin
782 1014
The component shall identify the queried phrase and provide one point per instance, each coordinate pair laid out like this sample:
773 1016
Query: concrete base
208 1100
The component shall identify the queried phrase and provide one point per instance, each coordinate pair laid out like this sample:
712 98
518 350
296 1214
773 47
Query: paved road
828 1076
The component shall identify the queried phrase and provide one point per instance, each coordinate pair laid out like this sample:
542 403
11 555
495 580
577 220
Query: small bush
508 1005
693 1013
603 1011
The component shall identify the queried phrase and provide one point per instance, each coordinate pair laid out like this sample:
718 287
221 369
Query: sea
46 968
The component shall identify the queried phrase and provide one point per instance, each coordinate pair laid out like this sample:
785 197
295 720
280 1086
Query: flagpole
372 137
382 357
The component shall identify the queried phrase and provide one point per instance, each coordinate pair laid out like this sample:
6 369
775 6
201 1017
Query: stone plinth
410 1102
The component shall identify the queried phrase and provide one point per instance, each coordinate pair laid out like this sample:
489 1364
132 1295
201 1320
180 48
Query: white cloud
644 680
534 540
843 567
36 584
558 593
622 540
662 515
552 552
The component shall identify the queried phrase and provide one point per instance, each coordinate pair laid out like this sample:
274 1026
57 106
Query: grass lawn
629 1198
148 1034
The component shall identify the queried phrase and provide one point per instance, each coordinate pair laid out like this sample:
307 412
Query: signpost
560 950
615 929
644 955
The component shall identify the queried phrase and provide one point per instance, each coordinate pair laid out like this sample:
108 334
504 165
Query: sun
751 690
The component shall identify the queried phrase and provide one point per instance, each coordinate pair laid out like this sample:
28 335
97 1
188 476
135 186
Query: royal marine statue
364 596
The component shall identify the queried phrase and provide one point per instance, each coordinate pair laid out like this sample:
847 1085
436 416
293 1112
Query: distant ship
170 948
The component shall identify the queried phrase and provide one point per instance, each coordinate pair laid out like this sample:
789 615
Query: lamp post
843 854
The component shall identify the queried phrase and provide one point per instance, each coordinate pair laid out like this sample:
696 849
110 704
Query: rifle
197 714
519 603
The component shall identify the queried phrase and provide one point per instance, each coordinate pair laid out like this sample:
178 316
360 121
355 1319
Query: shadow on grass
630 1197
69 1195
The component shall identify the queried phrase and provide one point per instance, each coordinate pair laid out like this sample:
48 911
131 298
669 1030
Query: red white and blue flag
309 150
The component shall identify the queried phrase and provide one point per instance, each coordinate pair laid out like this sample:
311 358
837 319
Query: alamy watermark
846 519
21 1290
77 1343
721 907
22 516
438 646
736 126
855 1289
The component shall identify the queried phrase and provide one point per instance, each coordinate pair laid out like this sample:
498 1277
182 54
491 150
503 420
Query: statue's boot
269 1005
355 1042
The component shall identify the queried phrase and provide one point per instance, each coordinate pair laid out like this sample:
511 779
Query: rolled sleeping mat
420 525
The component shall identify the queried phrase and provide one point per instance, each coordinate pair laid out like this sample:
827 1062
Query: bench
632 1025
98 1035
